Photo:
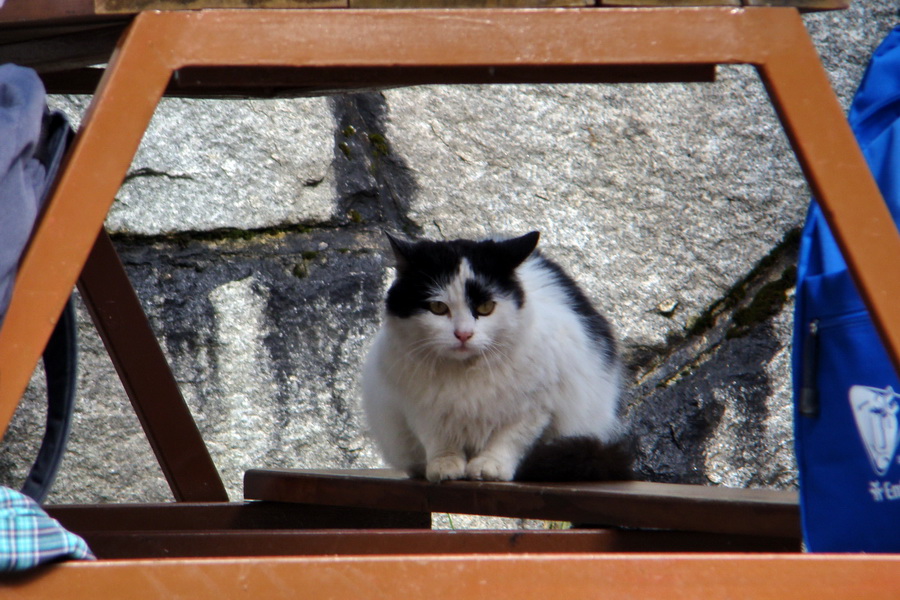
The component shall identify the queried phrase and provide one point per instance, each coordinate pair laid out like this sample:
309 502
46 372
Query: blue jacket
22 175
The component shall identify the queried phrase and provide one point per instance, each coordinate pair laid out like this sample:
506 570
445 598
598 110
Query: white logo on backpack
875 411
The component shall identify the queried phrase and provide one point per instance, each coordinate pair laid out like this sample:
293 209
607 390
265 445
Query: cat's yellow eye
485 308
438 308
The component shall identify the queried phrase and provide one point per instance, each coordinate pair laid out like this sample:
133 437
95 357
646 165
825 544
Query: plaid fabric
29 537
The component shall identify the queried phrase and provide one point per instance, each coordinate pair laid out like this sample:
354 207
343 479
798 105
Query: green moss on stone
379 142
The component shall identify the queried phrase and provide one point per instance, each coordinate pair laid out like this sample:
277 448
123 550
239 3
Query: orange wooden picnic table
285 47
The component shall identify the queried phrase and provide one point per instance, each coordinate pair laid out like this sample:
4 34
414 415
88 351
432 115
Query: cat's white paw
446 467
488 468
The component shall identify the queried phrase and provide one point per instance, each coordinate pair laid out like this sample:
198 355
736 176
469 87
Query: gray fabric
22 105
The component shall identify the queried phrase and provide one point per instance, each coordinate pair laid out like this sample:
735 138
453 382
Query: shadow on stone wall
716 424
716 406
374 184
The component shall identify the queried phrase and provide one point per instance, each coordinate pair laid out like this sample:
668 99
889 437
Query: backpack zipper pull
809 398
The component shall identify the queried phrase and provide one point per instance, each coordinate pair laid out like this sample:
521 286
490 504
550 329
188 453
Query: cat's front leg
500 458
446 467
487 467
443 459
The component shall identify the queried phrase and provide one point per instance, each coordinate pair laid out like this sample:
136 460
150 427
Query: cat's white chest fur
452 393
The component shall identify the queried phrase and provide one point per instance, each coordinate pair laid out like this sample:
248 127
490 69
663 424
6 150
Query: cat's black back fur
596 324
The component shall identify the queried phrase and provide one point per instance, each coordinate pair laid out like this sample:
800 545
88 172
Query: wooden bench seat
630 504
380 511
288 529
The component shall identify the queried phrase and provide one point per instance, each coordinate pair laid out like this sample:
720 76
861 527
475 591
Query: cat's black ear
520 248
402 250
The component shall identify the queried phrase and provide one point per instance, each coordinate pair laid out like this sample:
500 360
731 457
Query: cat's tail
579 458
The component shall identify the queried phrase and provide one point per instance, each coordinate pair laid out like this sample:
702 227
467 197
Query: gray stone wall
252 231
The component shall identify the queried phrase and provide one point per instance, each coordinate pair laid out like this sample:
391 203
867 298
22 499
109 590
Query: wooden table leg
147 378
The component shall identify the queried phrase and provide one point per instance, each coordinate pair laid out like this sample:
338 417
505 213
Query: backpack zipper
809 404
809 397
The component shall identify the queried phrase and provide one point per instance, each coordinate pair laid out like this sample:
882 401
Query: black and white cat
491 364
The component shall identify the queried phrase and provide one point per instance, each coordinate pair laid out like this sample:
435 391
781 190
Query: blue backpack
33 142
846 392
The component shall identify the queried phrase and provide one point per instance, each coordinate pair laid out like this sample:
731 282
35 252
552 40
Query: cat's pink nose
464 336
